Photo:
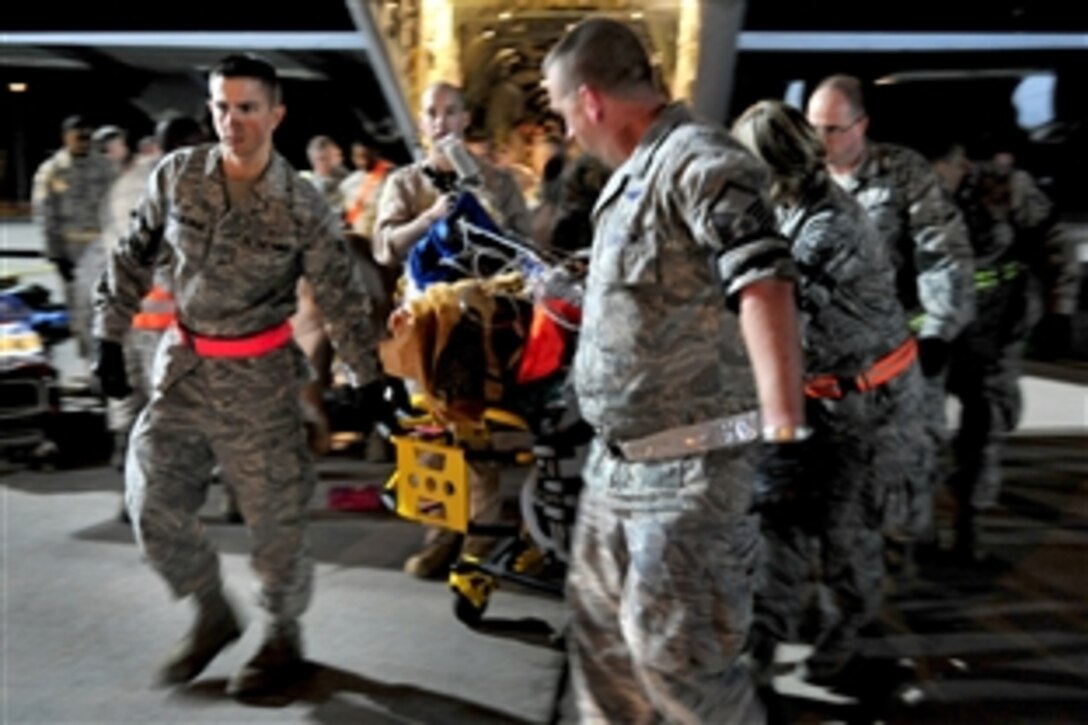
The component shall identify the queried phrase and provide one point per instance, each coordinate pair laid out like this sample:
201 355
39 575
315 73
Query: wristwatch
786 433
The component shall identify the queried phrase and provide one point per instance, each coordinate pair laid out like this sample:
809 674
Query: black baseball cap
76 122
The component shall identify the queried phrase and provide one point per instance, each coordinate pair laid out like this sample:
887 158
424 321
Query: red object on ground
356 498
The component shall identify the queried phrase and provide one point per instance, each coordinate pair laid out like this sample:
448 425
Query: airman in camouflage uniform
927 240
69 190
665 550
238 227
327 171
1012 230
849 323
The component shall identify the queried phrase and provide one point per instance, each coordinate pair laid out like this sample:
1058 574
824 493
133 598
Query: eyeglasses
834 130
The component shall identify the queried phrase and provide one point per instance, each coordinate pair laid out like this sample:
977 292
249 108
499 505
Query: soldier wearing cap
69 188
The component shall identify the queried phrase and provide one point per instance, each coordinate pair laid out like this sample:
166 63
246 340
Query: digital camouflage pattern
661 575
1013 232
660 590
927 240
68 199
848 318
234 272
849 321
924 234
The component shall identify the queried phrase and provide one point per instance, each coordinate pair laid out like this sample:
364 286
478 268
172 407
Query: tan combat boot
277 665
216 627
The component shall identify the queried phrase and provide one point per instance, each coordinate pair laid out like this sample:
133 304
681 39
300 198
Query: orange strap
157 310
152 320
366 188
883 370
255 345
158 293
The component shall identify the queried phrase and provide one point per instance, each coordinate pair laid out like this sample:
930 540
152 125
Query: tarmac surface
84 622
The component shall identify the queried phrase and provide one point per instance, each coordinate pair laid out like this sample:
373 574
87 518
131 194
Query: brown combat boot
276 666
216 627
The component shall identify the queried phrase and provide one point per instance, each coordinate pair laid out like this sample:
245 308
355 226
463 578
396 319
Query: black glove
784 478
1051 337
109 368
565 440
933 354
379 401
65 268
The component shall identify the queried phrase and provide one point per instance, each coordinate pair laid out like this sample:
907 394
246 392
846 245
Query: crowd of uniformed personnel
794 297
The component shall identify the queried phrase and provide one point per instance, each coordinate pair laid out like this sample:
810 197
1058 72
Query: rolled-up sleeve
724 202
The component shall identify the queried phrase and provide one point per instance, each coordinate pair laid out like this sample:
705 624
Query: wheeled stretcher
489 357
431 485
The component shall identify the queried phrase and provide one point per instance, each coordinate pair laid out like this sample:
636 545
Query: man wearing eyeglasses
928 242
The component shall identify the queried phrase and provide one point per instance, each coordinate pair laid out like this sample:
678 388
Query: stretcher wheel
466 611
472 588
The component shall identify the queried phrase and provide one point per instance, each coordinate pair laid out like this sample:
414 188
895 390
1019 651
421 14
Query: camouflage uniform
329 186
1011 223
927 240
580 185
849 321
665 552
68 196
406 194
234 268
140 345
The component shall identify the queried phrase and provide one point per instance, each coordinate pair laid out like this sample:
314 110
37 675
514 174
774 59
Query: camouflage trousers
90 263
244 416
836 540
140 347
984 376
660 590
919 506
907 428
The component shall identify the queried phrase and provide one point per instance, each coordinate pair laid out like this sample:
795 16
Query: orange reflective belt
255 345
883 370
157 310
366 188
152 320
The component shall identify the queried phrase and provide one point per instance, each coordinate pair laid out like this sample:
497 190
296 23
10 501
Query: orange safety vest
157 311
366 189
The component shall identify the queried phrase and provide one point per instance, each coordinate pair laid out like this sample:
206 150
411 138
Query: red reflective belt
883 370
260 343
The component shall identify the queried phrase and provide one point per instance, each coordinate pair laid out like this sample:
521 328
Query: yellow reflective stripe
917 321
989 278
